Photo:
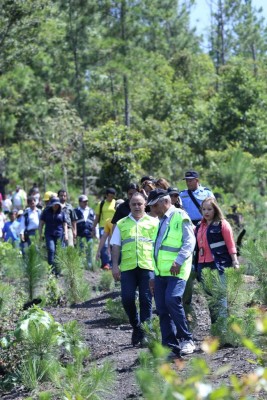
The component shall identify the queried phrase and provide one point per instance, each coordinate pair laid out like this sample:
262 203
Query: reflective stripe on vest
137 242
140 238
169 248
218 244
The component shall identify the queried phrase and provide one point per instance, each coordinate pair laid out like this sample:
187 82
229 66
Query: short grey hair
167 197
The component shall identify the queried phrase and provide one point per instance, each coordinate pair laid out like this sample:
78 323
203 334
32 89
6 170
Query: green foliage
121 153
106 282
35 271
152 332
155 375
9 261
39 340
7 298
255 255
78 382
116 311
53 293
71 265
227 299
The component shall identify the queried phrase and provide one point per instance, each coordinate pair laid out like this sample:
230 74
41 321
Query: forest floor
110 342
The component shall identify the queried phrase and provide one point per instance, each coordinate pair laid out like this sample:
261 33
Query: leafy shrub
77 382
152 332
35 271
106 281
255 255
116 311
156 375
71 264
227 299
10 266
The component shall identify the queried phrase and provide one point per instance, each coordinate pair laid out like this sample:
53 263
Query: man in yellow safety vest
133 237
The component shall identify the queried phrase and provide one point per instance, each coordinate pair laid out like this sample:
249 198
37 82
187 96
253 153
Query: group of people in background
148 240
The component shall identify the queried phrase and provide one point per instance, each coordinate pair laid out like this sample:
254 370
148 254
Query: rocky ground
108 341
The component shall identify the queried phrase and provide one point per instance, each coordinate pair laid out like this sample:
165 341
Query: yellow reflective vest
137 240
170 246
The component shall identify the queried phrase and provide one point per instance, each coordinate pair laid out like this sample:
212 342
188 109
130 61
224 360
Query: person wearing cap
133 238
193 196
173 250
85 221
175 197
123 209
105 209
48 196
70 215
29 222
56 229
10 229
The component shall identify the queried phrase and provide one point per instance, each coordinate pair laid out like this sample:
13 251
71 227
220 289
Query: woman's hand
236 264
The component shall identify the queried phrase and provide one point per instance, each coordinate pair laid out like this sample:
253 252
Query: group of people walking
152 251
148 241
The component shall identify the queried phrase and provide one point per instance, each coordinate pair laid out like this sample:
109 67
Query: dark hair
61 191
146 178
30 199
110 190
132 186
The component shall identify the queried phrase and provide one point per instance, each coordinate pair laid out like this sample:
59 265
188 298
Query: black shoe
137 336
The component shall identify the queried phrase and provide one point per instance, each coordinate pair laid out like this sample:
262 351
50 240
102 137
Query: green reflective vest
170 246
137 239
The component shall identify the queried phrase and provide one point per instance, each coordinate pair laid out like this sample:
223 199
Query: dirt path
108 341
112 342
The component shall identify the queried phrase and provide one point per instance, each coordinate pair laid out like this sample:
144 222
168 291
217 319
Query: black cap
173 190
155 195
191 175
54 201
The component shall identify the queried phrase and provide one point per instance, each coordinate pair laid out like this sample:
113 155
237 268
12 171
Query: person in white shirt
29 222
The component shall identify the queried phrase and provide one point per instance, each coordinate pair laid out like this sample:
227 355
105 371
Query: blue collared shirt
188 241
200 194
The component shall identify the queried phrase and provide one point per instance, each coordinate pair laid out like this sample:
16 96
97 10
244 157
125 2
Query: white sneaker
187 346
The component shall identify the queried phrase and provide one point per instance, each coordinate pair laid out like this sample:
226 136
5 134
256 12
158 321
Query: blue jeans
169 292
105 258
130 280
51 245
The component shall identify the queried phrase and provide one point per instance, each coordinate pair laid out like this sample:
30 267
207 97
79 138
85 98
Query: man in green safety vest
133 238
174 245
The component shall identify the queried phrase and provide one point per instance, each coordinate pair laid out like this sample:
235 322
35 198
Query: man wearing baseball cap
193 196
174 245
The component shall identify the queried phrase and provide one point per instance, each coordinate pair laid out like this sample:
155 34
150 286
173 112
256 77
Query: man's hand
116 272
152 286
175 268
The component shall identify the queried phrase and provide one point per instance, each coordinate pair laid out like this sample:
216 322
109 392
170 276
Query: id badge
201 251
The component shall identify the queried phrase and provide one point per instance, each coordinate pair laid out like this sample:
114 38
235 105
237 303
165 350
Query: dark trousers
130 281
105 258
51 245
169 292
